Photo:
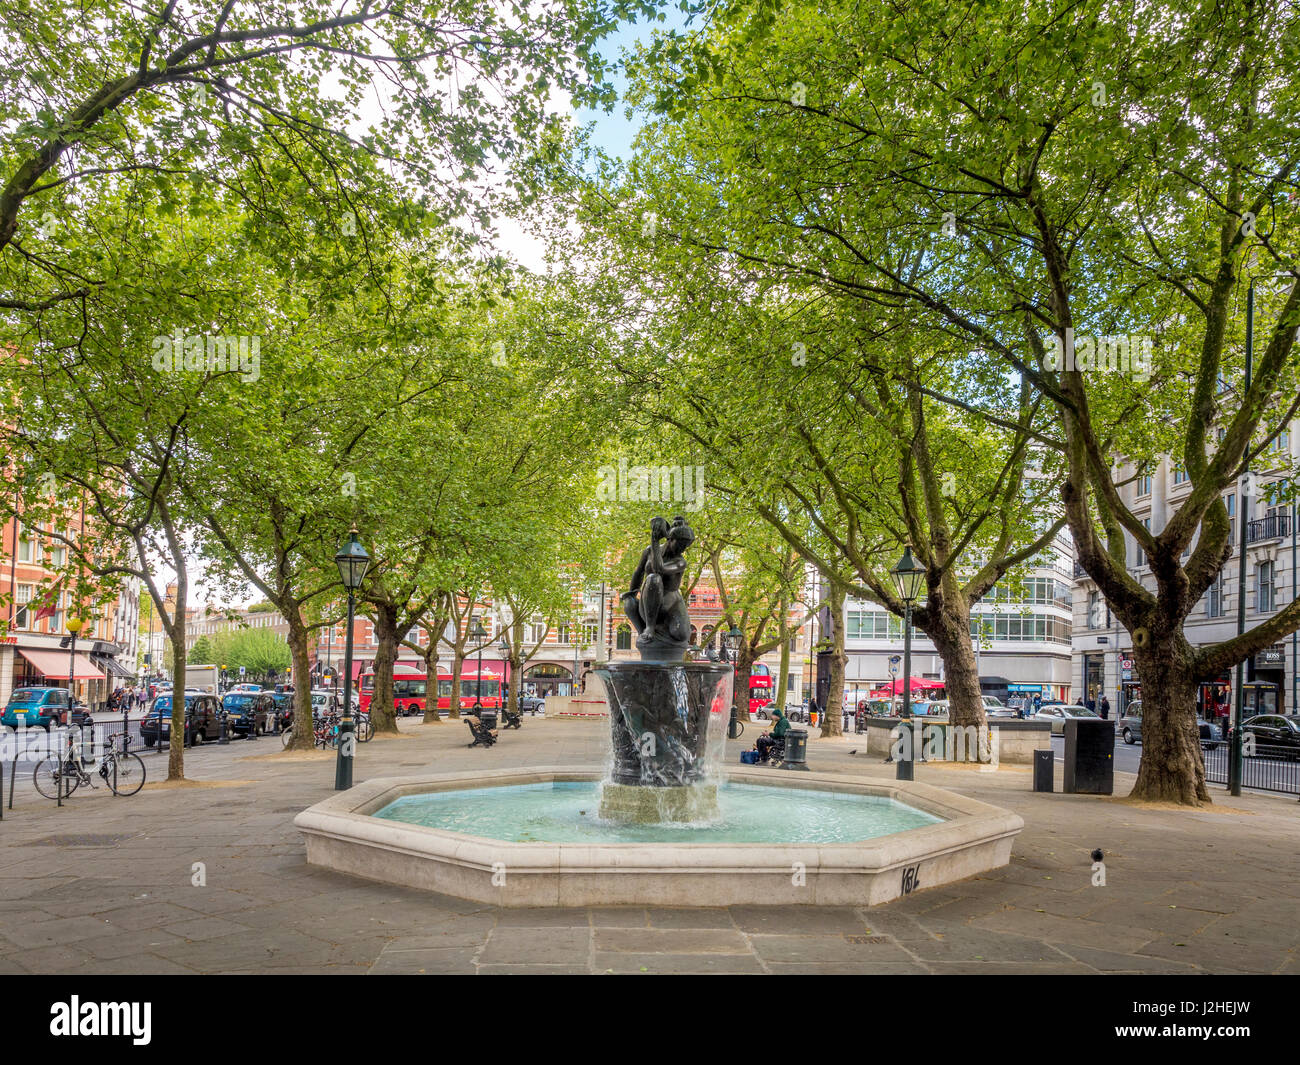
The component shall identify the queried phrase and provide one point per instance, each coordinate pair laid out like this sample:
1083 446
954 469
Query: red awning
919 684
55 664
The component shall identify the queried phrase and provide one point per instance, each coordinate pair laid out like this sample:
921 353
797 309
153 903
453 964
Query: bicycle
122 771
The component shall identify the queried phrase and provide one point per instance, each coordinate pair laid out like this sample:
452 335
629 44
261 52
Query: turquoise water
567 813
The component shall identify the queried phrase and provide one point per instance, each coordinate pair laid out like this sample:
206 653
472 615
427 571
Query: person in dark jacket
1105 708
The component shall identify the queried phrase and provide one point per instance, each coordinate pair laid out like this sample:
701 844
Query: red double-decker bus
411 689
760 687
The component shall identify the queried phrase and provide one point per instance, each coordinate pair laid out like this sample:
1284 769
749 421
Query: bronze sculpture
654 603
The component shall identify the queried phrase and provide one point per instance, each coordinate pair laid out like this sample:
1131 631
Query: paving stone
701 918
862 949
1108 961
457 960
126 944
56 931
671 941
663 964
793 920
846 968
542 917
534 970
556 946
619 917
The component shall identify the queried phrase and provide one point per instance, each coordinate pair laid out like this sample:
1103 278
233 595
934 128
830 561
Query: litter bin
796 749
488 717
1044 769
1089 757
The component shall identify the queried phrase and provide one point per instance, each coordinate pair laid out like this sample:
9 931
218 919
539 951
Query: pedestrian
1105 708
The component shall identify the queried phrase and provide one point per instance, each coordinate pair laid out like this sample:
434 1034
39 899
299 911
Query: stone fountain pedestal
668 726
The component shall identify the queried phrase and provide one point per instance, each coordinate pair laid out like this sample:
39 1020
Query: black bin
488 717
796 749
1089 757
1044 769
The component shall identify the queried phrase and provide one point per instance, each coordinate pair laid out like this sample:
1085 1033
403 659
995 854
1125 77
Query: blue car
35 707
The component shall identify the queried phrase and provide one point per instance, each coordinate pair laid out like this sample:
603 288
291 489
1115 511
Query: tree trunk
832 722
740 694
383 716
779 689
304 735
431 715
1172 767
457 664
176 747
514 680
951 637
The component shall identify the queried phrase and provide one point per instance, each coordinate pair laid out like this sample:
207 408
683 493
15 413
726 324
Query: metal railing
1270 527
1268 769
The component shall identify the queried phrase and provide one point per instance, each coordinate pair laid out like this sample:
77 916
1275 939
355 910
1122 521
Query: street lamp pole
731 652
479 633
908 575
352 561
1243 515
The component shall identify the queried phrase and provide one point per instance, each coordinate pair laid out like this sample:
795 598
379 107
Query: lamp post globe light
74 626
479 633
352 561
731 652
908 577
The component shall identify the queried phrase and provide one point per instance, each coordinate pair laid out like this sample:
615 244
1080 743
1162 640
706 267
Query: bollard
126 731
222 738
796 750
1044 770
13 775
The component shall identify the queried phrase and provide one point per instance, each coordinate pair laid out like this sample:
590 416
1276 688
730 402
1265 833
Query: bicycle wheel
740 729
364 730
129 776
46 777
286 737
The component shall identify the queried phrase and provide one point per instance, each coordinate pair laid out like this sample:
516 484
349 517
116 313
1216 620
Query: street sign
241 670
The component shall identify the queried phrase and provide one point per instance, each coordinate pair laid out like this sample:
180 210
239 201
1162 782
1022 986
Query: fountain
664 825
667 717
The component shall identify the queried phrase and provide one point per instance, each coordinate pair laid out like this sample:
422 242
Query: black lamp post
504 648
352 562
908 576
478 632
731 652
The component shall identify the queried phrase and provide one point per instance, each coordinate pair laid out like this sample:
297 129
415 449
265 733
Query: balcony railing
1079 571
1272 527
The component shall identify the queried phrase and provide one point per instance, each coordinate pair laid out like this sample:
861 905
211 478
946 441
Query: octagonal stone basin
343 834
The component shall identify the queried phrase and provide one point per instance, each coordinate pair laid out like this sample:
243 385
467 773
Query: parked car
1275 734
1130 726
532 704
41 708
246 688
283 703
248 711
992 702
1058 714
202 721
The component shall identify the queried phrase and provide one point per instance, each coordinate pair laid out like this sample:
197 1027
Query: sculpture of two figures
654 603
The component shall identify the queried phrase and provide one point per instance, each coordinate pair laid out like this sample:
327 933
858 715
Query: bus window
444 689
469 688
409 688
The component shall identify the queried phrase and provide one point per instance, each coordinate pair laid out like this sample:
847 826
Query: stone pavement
106 885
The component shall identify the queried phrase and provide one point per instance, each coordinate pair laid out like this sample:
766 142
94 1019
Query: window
1180 476
562 633
873 625
1214 598
22 596
591 632
537 631
1144 485
1264 593
24 545
1141 555
623 640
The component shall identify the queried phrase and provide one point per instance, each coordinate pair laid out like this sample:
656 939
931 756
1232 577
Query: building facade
36 651
1020 631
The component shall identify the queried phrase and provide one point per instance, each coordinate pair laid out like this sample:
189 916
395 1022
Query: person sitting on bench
769 740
